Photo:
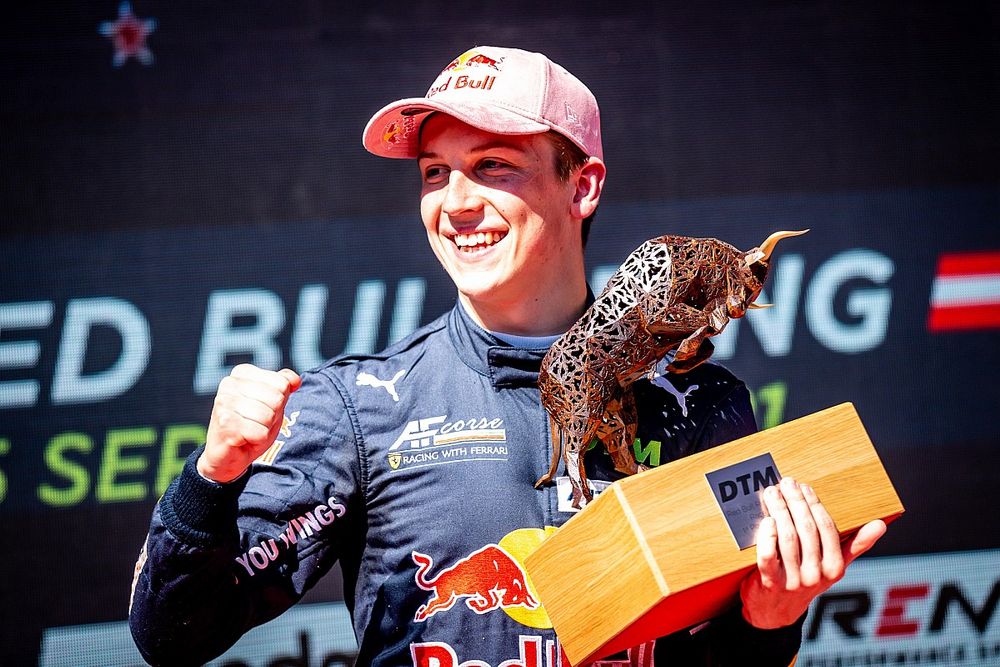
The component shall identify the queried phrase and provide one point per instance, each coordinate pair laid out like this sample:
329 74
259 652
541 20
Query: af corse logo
435 441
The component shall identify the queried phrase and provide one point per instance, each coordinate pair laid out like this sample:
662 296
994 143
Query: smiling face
503 224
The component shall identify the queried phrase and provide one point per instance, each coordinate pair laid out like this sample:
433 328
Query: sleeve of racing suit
222 558
728 639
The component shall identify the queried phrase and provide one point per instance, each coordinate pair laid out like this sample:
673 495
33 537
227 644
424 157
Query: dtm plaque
737 489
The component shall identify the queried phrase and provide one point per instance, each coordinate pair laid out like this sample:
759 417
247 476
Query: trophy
670 295
666 549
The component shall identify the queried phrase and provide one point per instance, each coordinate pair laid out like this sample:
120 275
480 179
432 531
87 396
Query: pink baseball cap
498 90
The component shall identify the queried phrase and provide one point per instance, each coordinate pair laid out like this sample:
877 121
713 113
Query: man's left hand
799 555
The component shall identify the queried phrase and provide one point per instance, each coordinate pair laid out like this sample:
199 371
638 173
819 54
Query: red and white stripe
966 292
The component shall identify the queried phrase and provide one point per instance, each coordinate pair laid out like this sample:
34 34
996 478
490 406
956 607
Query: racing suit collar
506 366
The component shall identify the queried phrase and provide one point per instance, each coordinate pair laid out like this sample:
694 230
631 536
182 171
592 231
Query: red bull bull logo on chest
491 578
487 579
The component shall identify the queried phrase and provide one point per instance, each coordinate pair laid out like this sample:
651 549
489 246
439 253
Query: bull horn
759 306
767 247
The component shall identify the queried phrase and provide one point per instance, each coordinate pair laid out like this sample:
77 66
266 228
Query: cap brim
395 130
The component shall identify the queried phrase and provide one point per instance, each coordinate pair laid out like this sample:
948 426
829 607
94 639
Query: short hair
569 158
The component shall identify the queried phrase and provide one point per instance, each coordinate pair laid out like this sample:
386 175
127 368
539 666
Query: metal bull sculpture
671 293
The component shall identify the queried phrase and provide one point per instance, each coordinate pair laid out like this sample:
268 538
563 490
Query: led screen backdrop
185 190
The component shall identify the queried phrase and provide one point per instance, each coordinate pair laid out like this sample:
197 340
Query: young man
415 468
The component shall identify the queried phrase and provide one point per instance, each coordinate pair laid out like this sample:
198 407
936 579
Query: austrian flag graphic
966 292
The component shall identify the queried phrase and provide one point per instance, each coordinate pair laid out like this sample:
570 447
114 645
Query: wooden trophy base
666 549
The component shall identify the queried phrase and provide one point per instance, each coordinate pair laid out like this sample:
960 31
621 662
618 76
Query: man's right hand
246 417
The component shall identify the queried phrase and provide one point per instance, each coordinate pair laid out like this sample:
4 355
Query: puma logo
662 381
369 380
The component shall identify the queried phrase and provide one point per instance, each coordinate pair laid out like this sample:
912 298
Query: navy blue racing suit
415 469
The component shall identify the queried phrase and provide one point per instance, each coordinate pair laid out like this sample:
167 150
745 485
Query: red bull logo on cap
472 58
487 579
397 131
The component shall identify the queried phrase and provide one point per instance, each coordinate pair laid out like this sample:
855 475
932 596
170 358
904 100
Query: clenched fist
245 419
